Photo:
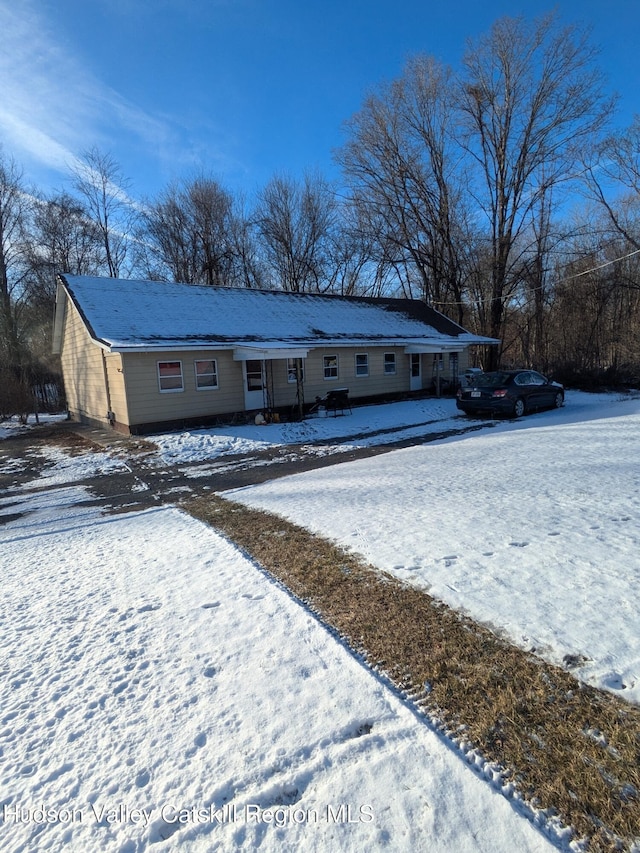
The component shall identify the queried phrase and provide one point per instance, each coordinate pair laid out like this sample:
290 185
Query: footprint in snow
142 779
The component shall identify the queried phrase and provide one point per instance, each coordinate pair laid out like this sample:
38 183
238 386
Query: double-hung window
170 376
389 363
362 364
206 374
330 363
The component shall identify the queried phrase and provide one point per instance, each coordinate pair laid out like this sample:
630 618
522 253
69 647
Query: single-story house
148 355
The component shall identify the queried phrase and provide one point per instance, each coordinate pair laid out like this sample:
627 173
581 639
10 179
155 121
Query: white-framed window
330 363
291 369
170 376
362 364
206 374
389 363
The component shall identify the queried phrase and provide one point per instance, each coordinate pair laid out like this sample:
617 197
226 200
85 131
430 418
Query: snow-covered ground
532 526
13 426
363 427
159 692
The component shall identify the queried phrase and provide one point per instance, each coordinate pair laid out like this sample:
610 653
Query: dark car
509 392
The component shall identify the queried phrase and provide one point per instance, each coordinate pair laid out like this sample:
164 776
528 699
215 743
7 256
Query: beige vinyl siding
117 390
315 385
147 404
82 369
377 382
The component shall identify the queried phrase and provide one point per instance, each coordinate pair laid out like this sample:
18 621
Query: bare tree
105 191
63 239
612 178
15 206
531 99
15 209
248 266
192 231
296 222
405 169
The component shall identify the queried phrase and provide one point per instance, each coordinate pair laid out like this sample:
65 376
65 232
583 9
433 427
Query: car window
523 379
491 380
537 378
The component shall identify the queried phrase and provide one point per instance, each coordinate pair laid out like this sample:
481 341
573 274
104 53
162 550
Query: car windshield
491 380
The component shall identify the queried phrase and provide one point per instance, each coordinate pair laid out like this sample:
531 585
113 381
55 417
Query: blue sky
242 89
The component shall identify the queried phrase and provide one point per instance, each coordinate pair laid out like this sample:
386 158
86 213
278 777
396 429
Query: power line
562 281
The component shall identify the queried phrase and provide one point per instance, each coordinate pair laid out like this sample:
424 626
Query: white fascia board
115 346
242 353
280 349
416 349
469 340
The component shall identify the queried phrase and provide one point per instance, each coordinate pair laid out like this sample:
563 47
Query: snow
159 689
13 426
129 314
531 526
366 426
160 692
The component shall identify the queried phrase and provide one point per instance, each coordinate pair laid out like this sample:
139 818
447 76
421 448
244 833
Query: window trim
365 356
214 362
325 367
181 374
390 367
291 371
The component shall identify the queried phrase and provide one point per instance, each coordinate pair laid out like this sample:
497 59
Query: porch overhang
267 353
415 349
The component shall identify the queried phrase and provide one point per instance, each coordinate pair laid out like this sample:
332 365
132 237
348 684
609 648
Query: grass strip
570 750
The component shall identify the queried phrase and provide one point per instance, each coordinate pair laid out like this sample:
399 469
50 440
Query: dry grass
570 749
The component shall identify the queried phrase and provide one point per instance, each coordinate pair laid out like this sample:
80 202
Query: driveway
137 477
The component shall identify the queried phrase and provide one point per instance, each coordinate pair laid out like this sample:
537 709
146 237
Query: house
147 355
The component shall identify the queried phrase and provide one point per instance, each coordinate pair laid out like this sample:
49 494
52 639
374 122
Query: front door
254 379
415 381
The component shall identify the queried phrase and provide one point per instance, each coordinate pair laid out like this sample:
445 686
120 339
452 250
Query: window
389 363
206 374
330 363
254 371
523 379
170 376
291 369
362 364
453 367
537 378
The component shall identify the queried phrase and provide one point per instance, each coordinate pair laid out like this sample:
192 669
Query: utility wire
562 281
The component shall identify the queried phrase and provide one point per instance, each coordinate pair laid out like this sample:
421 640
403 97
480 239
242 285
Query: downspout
110 416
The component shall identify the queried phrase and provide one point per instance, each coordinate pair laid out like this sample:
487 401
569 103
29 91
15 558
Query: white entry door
415 374
254 379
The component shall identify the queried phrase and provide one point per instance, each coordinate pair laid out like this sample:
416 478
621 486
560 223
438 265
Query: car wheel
558 402
519 408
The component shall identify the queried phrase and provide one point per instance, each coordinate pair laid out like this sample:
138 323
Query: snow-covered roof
125 315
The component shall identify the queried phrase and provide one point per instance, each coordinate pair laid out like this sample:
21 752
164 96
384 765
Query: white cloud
52 107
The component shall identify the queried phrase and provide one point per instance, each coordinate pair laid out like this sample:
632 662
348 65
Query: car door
525 389
542 391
